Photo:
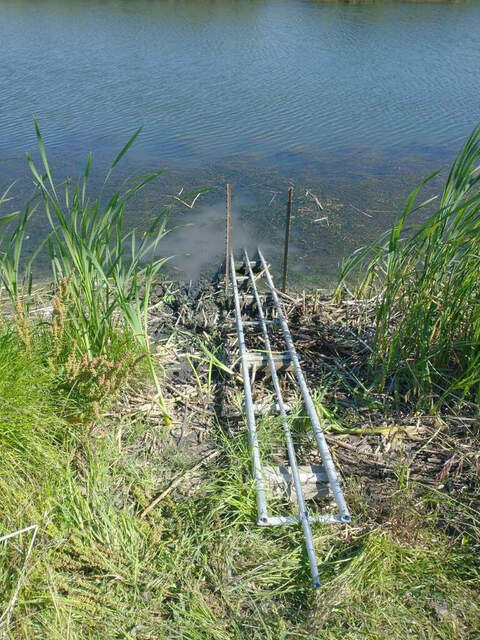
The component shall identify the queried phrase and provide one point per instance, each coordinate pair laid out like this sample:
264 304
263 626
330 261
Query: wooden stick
177 480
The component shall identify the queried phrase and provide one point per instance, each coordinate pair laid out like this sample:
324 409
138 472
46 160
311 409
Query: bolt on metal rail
304 517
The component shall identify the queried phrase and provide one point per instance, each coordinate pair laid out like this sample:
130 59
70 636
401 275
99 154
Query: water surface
353 103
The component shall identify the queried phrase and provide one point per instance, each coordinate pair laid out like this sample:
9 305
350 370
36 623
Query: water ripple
209 80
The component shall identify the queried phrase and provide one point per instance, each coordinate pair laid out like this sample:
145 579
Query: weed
425 277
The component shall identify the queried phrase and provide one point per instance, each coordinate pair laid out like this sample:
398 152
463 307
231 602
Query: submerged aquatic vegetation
425 279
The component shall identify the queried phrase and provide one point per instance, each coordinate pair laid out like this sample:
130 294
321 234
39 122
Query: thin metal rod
7 614
302 509
317 430
287 238
14 534
252 428
227 232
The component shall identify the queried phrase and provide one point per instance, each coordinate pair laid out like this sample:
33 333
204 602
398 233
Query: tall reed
426 277
103 274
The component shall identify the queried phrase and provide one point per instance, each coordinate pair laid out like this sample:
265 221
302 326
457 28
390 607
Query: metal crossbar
304 517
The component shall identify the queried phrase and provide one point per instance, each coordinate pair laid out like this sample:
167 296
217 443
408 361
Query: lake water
353 103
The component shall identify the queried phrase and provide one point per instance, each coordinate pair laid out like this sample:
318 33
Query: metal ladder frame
304 518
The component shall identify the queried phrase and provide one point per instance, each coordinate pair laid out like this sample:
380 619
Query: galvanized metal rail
307 398
252 429
304 517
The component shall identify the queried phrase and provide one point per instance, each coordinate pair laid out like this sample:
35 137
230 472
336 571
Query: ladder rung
261 361
249 298
241 267
255 323
313 478
262 409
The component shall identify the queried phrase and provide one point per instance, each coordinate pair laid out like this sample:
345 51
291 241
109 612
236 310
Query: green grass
197 567
425 277
102 278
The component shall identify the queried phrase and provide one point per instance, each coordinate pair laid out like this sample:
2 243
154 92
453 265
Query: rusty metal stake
287 238
227 242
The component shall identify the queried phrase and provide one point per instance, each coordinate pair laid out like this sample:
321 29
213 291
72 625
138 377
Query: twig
190 206
273 198
177 480
360 211
315 199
